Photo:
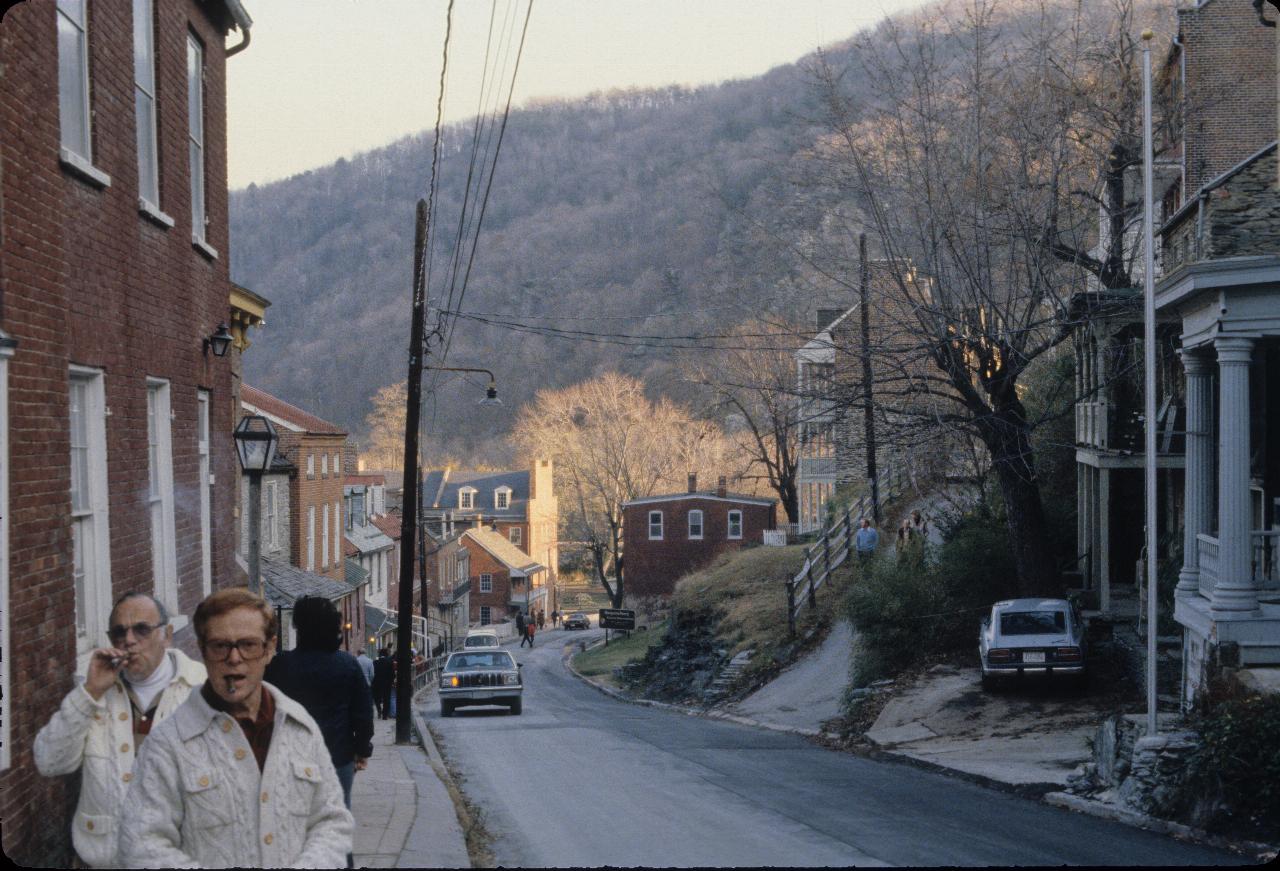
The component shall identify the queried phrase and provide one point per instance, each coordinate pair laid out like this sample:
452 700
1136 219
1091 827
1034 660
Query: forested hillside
637 212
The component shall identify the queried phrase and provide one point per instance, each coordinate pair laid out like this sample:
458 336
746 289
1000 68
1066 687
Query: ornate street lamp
256 447
490 393
219 341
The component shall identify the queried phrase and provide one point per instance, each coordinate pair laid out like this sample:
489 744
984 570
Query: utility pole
868 410
409 508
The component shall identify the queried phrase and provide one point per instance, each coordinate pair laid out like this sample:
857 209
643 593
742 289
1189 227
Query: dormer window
467 498
502 498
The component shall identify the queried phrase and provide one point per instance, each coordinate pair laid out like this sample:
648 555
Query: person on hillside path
866 540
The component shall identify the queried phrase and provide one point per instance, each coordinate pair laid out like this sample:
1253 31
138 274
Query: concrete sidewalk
405 817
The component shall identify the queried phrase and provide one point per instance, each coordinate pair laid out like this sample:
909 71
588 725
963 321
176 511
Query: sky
323 79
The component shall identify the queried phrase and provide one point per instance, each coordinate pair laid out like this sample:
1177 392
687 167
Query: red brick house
665 537
504 579
448 577
114 416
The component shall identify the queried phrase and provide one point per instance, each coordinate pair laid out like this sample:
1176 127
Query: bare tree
385 423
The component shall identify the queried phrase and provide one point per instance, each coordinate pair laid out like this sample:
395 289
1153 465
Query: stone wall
1243 216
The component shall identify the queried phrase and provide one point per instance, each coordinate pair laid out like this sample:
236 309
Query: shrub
1238 759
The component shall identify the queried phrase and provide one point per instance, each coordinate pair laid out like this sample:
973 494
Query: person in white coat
240 775
128 688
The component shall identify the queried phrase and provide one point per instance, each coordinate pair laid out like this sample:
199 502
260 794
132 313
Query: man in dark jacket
384 676
327 682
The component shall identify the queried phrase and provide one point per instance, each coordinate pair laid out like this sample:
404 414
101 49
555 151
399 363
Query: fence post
791 607
826 554
813 591
848 533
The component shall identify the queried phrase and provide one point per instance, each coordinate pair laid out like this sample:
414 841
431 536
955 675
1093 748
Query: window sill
204 247
153 214
83 169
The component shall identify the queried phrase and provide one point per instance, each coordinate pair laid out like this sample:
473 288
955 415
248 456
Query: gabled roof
712 497
368 538
283 414
389 524
355 573
517 561
284 584
440 493
377 620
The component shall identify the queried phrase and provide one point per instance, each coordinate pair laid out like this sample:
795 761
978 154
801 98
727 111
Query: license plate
1033 656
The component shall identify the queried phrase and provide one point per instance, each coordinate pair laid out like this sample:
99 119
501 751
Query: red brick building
666 537
504 579
114 416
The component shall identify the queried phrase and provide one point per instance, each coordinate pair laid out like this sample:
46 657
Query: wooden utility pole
868 409
409 501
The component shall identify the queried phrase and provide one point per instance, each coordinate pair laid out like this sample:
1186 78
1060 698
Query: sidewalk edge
436 760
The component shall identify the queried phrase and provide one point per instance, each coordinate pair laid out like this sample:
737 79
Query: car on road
480 677
1032 636
577 620
481 638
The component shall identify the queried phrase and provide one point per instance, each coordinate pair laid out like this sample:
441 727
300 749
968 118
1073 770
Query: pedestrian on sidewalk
866 540
239 775
919 525
542 618
329 683
383 676
366 666
555 618
129 687
520 624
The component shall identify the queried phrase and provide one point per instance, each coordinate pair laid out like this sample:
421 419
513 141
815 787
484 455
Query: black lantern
219 341
490 395
255 443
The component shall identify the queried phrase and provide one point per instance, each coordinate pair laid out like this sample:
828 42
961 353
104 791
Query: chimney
721 489
693 483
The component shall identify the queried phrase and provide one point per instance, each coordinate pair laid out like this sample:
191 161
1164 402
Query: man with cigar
129 687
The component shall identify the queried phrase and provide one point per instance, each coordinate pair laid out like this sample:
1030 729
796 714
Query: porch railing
1264 560
1207 559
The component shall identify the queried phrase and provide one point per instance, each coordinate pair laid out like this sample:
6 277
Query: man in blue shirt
866 540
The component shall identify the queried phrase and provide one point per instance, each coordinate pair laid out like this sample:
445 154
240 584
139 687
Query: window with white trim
144 98
695 524
311 465
311 538
516 534
206 492
74 115
6 713
164 550
655 525
324 465
337 533
90 536
735 524
195 136
467 498
324 537
486 615
270 510
486 583
502 498
464 567
337 464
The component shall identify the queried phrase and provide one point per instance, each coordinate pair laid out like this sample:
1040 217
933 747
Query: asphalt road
583 780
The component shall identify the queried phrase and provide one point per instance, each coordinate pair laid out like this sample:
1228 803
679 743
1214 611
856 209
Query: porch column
1199 486
1104 536
1234 593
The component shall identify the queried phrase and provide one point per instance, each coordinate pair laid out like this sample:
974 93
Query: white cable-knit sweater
198 800
95 737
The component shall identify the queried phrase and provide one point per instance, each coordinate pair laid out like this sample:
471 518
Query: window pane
143 67
79 449
81 542
73 87
148 181
153 445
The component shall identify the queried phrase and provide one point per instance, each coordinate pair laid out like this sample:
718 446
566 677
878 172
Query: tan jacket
96 738
199 801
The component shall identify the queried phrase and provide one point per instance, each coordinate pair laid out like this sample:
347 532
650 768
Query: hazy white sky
324 79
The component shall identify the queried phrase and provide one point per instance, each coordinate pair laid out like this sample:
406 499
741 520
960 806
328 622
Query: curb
436 760
1049 793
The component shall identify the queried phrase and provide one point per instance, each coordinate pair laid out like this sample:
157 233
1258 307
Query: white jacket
199 801
96 737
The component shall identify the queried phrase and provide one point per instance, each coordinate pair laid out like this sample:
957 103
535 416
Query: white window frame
164 546
75 95
196 143
486 615
6 712
337 463
735 515
697 514
311 538
657 526
144 98
270 511
337 532
94 517
311 465
486 582
324 536
502 498
203 410
516 536
467 498
463 568
324 465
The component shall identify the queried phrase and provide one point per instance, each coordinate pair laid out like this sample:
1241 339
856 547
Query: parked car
577 620
480 677
481 638
1032 636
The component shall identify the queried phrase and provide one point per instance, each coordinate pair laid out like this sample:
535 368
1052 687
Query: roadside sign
617 618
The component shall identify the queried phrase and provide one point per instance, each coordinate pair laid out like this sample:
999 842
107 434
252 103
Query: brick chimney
721 488
693 483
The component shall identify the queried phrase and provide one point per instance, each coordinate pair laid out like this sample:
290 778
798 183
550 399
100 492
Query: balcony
528 597
1105 426
451 596
814 468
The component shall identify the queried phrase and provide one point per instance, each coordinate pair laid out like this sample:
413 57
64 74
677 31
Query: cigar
117 661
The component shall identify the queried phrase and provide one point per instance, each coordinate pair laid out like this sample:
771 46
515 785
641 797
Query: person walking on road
525 628
542 618
866 540
532 629
383 678
555 618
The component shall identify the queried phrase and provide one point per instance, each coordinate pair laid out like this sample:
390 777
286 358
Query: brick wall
651 568
88 280
314 491
499 600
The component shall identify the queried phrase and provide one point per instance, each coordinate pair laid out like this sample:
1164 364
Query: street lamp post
256 447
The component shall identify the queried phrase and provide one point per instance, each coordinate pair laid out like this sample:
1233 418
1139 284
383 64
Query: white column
1104 537
1198 506
1234 593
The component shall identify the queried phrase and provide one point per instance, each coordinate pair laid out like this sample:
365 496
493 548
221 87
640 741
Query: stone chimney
721 488
693 483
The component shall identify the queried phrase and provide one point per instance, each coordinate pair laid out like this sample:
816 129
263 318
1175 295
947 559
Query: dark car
577 620
1032 636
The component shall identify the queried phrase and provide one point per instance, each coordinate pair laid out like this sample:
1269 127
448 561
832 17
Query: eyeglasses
250 648
141 631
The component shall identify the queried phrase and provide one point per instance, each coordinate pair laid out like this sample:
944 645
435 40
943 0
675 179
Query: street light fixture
490 393
256 448
219 341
